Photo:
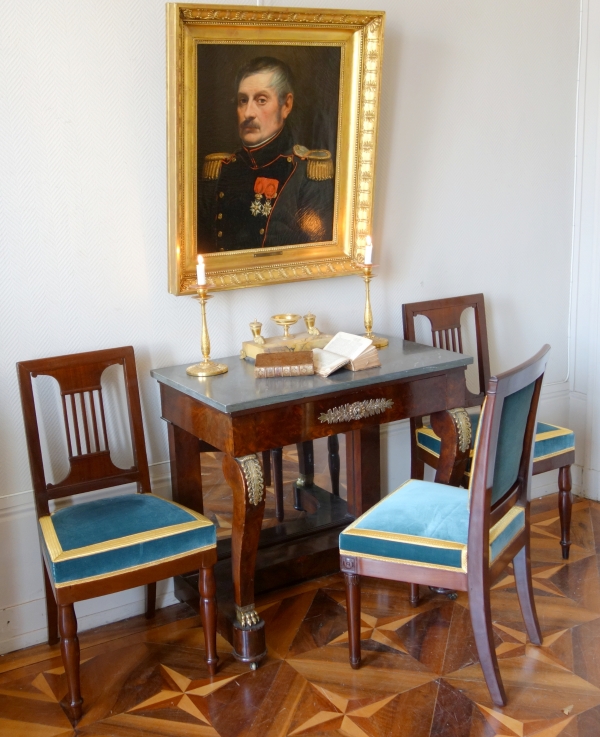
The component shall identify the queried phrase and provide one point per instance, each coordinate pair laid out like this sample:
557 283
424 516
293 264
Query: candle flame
200 259
369 241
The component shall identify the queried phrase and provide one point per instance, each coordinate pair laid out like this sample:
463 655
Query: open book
351 351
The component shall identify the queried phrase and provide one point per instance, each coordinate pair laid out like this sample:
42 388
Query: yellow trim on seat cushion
112 574
429 542
107 536
123 542
57 554
417 563
552 455
50 537
552 433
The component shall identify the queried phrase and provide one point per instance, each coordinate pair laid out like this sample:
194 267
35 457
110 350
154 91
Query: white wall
474 192
585 318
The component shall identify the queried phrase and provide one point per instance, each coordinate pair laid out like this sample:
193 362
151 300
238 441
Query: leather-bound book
284 363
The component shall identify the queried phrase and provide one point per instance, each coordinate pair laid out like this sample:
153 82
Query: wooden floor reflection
420 678
218 502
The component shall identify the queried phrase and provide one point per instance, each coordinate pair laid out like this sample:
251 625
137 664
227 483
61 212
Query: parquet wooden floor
420 678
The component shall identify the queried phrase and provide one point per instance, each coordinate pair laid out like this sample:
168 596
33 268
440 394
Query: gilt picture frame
272 120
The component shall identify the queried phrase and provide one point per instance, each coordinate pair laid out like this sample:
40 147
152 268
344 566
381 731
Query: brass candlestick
205 367
367 276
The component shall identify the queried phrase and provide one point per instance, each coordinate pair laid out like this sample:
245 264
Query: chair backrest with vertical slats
445 318
79 379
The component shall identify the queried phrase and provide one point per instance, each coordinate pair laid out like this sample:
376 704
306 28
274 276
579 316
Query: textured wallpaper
473 191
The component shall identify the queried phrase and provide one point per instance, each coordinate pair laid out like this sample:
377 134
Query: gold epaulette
319 163
212 165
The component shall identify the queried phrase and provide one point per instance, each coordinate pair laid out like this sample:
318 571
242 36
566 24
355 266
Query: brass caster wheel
253 666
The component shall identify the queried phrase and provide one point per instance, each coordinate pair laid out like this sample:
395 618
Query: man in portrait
272 191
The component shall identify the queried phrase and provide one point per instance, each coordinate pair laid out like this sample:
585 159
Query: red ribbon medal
267 188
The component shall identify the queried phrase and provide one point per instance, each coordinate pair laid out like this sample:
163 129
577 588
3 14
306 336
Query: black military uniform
277 194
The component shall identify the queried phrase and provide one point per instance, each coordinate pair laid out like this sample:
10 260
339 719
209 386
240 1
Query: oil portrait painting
272 122
269 179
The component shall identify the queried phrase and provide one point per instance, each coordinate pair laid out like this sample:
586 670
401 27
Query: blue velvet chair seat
550 440
101 538
424 523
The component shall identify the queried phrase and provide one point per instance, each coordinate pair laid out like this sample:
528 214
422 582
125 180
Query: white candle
200 271
369 251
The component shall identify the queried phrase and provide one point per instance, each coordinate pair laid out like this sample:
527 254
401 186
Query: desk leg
244 476
454 429
306 464
306 468
449 425
186 475
363 469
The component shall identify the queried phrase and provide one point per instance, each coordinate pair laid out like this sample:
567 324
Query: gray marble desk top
238 390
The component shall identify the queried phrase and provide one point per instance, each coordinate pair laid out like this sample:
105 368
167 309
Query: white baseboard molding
25 624
547 483
592 484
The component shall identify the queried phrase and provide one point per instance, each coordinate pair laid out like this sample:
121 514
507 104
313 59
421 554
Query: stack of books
274 365
352 352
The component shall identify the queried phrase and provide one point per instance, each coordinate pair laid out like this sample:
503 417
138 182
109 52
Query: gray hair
281 81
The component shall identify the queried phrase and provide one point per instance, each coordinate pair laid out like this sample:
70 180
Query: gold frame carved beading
360 36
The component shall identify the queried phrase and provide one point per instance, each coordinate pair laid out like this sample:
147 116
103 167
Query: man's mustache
249 124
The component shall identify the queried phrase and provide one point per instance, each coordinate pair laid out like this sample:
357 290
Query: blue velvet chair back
511 437
503 451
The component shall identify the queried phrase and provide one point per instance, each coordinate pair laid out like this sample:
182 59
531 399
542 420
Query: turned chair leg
69 647
333 450
565 502
150 600
266 462
522 568
414 594
353 612
51 609
481 619
277 459
208 614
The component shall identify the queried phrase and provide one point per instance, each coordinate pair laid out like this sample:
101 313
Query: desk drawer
315 418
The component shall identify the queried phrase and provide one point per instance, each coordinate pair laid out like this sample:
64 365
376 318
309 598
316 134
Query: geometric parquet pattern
420 675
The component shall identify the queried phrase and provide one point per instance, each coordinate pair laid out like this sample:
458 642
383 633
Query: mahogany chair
93 548
451 537
554 446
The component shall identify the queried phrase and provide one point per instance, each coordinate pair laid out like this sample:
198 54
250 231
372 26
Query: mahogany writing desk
242 416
